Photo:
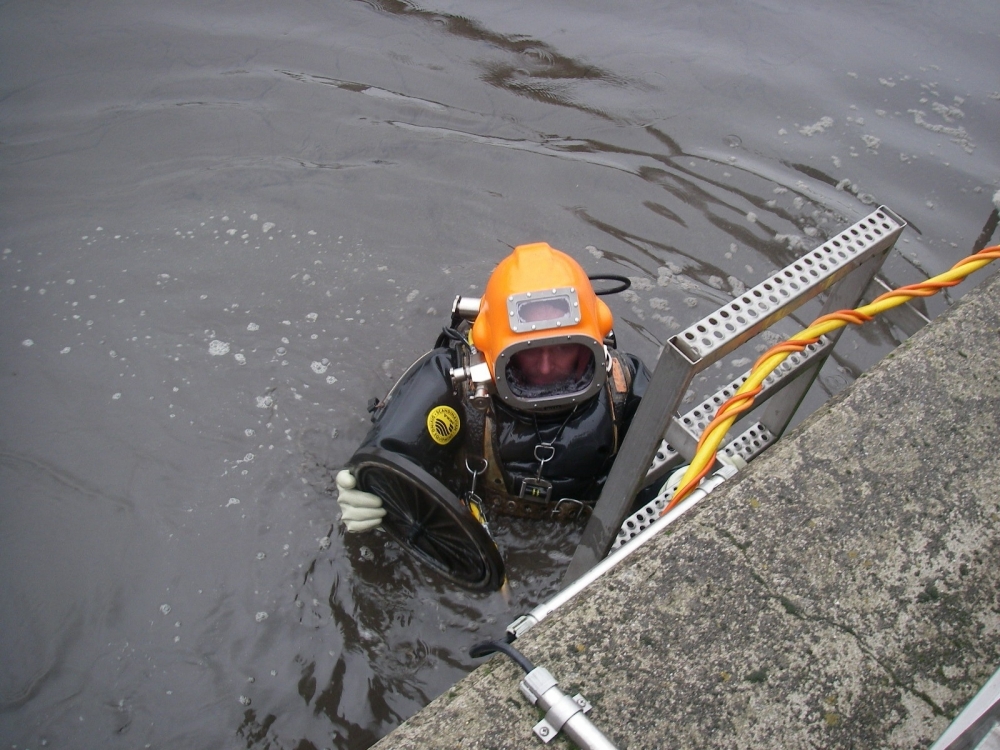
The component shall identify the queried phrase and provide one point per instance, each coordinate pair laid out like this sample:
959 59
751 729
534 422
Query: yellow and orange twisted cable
744 397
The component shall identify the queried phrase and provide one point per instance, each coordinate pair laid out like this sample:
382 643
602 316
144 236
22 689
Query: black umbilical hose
448 333
624 282
504 647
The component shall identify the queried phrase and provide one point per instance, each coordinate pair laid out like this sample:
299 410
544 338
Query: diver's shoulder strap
480 442
619 384
621 375
620 381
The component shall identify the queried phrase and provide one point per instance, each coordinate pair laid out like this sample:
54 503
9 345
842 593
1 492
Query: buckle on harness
535 490
558 509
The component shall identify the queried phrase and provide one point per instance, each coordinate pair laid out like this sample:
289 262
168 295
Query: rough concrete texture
842 592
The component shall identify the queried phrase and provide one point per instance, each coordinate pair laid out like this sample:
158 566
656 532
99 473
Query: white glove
359 510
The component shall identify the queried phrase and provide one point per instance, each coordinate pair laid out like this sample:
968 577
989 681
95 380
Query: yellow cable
743 399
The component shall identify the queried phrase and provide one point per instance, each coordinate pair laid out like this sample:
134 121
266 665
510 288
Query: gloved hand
359 510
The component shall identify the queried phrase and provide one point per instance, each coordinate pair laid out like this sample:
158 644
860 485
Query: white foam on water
260 616
165 609
253 327
233 501
318 367
413 295
218 348
820 126
267 226
29 342
794 241
331 379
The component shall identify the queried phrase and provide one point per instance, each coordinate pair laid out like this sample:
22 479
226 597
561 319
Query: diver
519 410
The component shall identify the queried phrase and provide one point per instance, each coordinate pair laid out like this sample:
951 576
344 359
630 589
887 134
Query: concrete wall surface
842 592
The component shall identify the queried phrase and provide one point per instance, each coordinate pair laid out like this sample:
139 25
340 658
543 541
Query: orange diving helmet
544 345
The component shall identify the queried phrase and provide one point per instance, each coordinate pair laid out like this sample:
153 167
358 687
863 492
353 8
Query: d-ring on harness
469 498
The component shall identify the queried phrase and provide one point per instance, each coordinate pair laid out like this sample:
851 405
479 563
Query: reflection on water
225 229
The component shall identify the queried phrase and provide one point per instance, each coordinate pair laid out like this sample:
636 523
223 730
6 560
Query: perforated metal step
748 445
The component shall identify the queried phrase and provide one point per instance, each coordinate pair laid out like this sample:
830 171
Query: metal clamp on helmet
543 345
478 374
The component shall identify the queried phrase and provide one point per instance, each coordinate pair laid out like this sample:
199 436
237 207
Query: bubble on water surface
240 359
233 501
413 295
318 367
264 402
244 700
311 317
218 348
267 226
165 609
366 554
27 342
330 379
260 616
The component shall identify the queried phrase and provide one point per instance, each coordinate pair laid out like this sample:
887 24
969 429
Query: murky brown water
225 226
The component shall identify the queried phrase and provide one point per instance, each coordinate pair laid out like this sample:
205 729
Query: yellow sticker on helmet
443 424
